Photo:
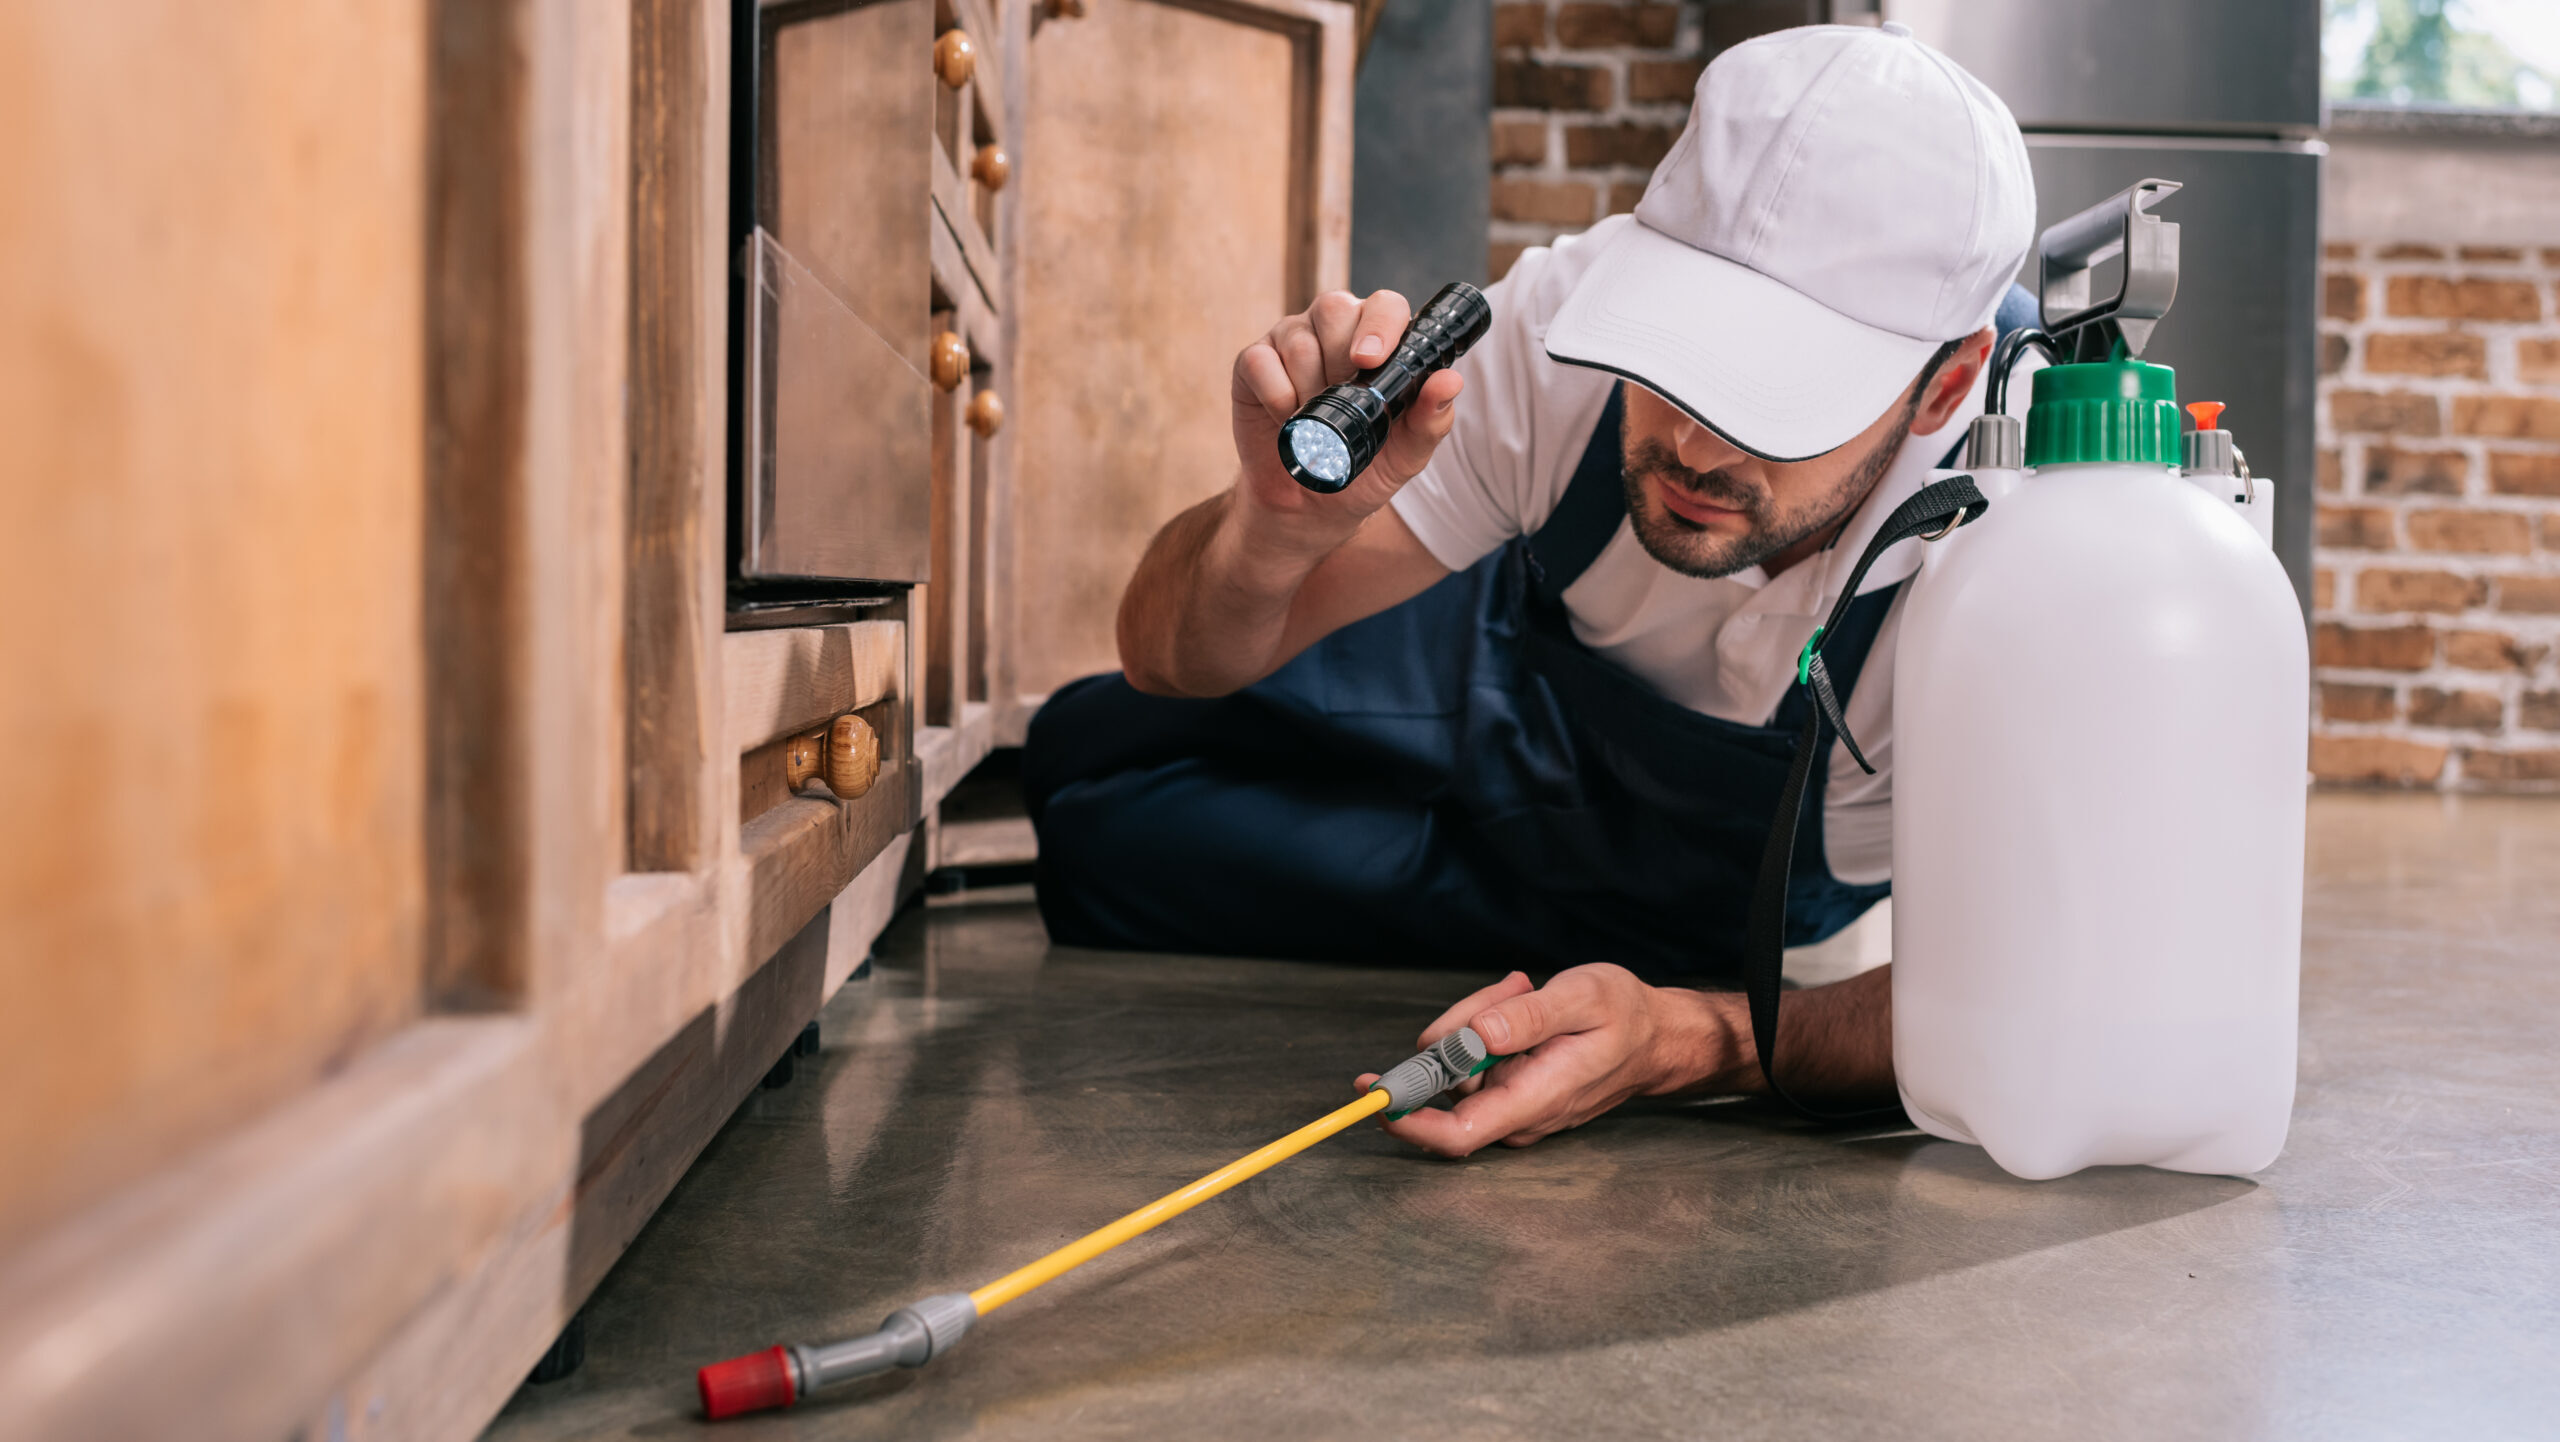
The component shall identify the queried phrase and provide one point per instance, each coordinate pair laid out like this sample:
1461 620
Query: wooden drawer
803 843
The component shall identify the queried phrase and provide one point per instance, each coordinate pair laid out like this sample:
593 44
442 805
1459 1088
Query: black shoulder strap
1932 512
1588 513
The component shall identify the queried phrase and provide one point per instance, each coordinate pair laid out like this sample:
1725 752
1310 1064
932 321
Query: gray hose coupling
1433 1070
910 1337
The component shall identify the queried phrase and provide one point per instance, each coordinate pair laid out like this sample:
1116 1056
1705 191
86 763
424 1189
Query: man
1521 693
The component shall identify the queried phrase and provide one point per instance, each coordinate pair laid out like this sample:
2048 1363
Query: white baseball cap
1844 201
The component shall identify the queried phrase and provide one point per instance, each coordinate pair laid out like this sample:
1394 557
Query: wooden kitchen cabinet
403 879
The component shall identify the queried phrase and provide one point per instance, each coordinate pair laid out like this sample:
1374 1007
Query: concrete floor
1703 1269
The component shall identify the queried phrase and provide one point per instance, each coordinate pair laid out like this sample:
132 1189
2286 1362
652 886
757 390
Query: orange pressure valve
2208 414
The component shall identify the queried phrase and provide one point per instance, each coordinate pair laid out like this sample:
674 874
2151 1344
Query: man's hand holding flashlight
1232 588
1331 341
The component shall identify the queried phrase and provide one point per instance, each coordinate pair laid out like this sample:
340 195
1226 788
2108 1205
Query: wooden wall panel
1166 189
211 874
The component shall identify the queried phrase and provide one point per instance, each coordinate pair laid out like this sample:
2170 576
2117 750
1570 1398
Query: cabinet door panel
211 800
1183 183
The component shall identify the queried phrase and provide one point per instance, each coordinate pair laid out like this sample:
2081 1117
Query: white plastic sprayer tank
2100 716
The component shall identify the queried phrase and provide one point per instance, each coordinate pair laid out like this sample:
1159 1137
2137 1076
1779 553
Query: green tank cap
2117 410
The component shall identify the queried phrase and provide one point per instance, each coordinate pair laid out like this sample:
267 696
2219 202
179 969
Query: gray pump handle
2120 225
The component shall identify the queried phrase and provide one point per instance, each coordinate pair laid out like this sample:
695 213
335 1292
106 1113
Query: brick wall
2437 594
1589 94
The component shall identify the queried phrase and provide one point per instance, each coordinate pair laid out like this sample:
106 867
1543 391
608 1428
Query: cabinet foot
568 1352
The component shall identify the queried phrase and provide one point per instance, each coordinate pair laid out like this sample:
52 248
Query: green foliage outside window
2457 53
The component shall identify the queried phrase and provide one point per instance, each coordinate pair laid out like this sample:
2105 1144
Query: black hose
2005 355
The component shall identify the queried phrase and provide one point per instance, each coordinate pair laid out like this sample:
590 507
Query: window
2444 54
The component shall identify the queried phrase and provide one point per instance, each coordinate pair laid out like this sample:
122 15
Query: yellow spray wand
915 1335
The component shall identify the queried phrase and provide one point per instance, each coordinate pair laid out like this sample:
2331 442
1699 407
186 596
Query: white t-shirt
1725 646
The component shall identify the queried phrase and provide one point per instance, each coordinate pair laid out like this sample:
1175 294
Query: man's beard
1693 551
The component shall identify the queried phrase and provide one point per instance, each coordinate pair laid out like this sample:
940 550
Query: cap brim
1775 372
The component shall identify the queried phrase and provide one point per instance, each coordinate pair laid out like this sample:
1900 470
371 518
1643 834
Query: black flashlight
1335 436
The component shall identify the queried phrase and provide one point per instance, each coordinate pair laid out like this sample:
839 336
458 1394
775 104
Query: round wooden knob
955 58
802 759
950 360
991 167
986 413
853 757
1062 9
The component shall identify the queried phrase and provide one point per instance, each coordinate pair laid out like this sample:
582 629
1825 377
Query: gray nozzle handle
2120 225
910 1337
1445 1063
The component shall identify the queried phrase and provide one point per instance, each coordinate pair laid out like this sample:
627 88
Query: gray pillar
1422 148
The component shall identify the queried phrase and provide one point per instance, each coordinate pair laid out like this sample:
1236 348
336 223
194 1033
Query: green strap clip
1804 658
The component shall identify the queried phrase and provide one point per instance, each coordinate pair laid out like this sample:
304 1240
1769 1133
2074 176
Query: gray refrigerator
2224 96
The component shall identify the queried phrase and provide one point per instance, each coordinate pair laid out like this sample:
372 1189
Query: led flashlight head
1316 454
1335 436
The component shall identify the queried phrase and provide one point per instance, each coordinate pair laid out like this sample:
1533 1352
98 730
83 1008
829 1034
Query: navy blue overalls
1454 781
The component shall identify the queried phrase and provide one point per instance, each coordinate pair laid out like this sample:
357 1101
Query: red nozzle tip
2208 414
750 1383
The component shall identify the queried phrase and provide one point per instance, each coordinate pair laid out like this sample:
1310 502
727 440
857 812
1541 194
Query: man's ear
1953 382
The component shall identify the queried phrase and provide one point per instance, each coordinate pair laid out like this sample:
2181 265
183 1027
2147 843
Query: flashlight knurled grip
1338 432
